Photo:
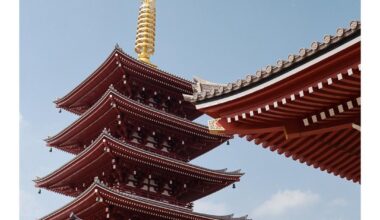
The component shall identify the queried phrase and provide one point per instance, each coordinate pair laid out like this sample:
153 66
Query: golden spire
146 30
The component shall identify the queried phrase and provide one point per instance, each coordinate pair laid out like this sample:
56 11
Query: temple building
306 107
133 141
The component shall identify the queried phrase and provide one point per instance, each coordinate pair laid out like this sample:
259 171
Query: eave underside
100 202
129 118
336 152
318 124
128 168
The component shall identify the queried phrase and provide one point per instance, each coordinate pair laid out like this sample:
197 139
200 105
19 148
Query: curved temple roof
114 100
110 70
307 108
99 197
106 143
206 92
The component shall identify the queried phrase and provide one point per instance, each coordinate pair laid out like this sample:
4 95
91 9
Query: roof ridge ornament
117 47
146 31
96 180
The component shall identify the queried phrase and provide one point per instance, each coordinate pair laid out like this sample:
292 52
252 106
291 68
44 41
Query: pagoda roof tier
113 111
100 201
108 156
120 69
207 95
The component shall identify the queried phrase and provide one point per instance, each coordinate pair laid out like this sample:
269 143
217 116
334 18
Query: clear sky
62 42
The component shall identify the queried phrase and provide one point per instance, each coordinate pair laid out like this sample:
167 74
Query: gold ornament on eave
146 31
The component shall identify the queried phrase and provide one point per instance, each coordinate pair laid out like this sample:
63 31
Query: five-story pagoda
133 140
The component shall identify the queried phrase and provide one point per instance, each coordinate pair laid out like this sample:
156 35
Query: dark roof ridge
204 90
119 49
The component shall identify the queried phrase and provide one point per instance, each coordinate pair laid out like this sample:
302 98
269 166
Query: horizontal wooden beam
320 131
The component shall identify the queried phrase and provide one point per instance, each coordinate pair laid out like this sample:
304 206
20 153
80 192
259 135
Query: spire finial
146 31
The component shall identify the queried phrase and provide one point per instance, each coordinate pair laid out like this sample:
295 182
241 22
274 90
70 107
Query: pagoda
133 141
